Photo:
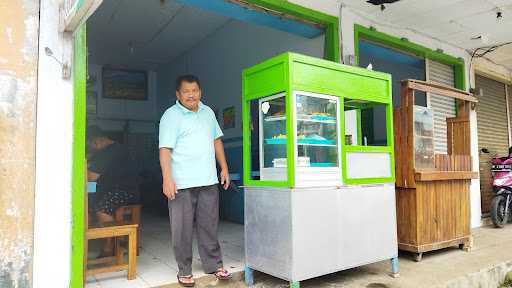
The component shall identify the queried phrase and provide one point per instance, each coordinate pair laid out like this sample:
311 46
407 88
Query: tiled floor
156 265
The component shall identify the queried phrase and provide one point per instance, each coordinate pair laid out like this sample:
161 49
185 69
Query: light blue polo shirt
190 135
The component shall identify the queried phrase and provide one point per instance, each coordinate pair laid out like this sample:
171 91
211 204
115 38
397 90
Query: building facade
39 61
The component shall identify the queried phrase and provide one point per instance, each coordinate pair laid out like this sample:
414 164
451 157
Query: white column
54 140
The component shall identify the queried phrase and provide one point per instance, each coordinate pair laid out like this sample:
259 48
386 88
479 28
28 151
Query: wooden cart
432 190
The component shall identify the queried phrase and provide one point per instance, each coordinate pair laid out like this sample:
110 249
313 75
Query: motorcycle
501 205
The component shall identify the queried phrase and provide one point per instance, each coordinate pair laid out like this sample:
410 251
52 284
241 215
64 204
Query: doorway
171 38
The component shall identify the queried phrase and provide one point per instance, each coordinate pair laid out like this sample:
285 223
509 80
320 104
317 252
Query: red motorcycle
501 205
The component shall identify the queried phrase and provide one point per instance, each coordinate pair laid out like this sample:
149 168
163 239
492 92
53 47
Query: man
110 166
189 142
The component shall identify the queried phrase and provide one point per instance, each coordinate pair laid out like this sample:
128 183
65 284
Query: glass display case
316 130
316 134
298 133
423 138
273 157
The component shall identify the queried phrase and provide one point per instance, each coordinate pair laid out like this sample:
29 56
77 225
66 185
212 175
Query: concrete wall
330 7
489 69
18 91
54 142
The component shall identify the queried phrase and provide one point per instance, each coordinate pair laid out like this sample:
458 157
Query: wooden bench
131 215
116 231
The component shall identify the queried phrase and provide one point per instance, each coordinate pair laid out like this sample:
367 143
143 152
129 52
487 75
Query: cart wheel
418 256
466 246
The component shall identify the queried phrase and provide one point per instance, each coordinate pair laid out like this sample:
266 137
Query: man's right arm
168 186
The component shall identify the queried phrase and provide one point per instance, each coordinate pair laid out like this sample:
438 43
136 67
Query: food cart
433 206
318 168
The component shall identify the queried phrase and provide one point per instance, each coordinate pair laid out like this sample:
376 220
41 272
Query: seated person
109 165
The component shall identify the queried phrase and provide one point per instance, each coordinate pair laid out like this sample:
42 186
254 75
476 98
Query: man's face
189 95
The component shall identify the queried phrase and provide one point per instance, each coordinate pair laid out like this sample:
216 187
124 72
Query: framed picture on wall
125 84
228 117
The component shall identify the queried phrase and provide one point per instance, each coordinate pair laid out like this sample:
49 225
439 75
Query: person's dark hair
94 132
187 78
509 150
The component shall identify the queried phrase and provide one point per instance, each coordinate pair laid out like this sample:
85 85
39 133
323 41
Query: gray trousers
197 208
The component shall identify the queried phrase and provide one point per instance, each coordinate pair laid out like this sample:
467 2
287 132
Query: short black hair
187 78
94 132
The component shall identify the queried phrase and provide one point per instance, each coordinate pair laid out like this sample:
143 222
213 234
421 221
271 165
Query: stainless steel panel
308 232
337 229
268 231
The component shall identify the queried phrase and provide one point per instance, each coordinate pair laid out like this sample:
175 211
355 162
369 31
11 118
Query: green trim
300 58
301 73
258 183
361 32
359 127
290 135
246 134
369 149
343 144
331 23
268 78
390 135
363 181
78 172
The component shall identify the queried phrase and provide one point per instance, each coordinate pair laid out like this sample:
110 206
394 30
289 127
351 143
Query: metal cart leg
249 280
295 284
395 269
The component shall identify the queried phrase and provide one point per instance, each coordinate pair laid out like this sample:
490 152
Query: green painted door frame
371 34
78 182
330 23
331 52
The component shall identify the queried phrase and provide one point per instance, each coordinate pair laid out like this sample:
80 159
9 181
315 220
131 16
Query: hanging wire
481 52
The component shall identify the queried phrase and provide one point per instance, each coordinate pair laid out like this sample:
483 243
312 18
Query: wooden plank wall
398 132
445 162
404 141
442 210
433 213
406 216
458 134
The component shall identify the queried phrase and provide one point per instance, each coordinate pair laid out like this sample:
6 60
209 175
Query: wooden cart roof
439 89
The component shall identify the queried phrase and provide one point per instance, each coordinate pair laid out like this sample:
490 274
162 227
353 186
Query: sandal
186 284
222 274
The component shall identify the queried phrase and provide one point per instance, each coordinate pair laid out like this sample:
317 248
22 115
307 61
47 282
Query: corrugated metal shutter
509 99
492 130
443 107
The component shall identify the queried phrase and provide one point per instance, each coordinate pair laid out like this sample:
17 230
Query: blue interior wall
218 61
401 66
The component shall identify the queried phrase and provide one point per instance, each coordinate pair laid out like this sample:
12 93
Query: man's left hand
224 179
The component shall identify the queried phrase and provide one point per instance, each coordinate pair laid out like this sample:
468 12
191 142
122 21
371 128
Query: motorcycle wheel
498 213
